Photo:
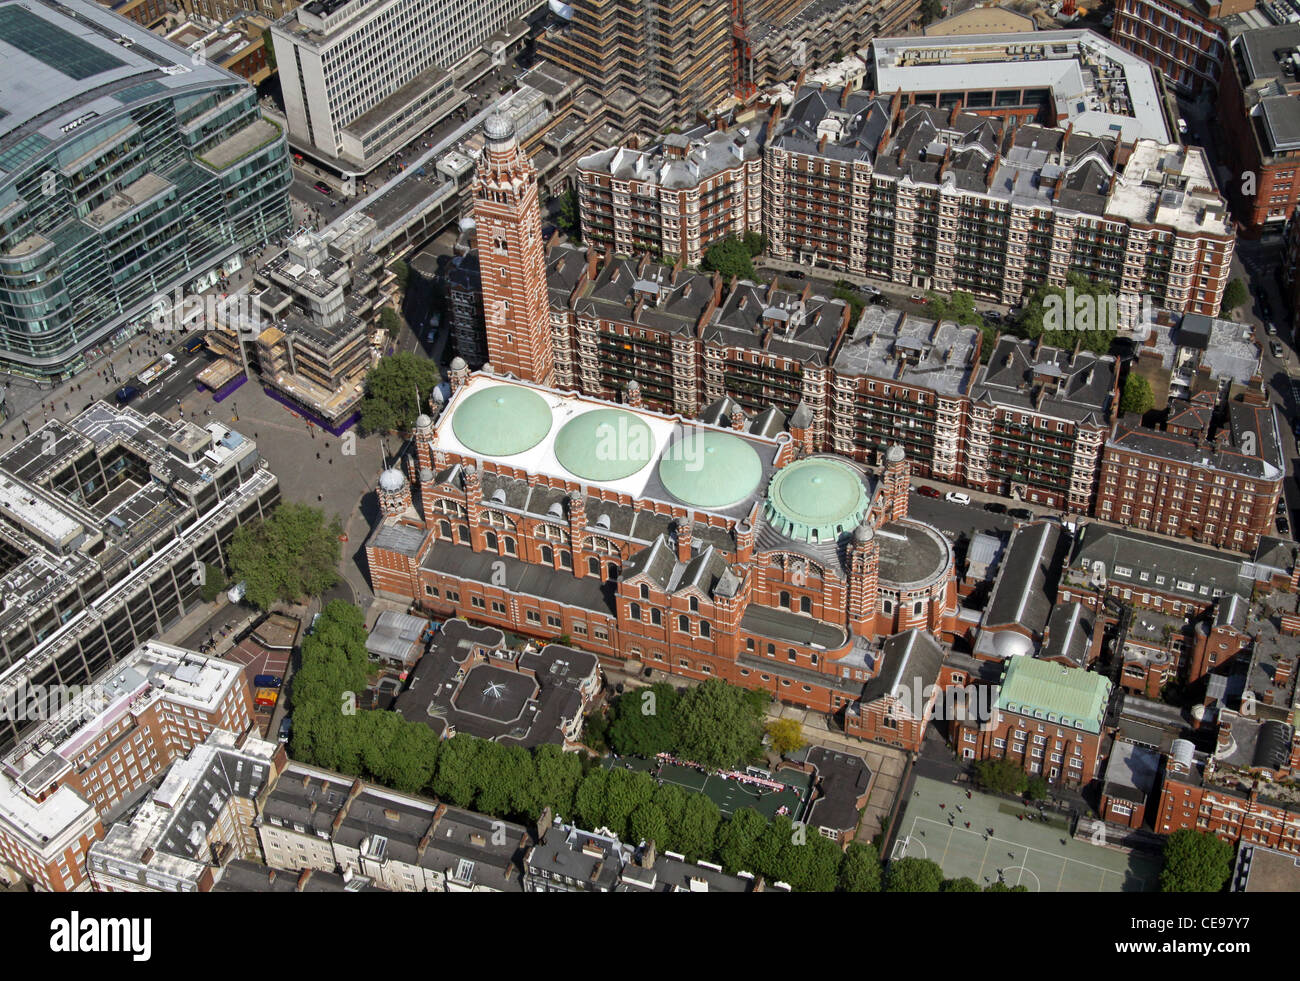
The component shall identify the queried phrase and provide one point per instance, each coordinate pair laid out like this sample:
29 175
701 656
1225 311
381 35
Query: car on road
920 298
1283 525
286 727
880 300
995 507
323 188
1270 328
126 393
796 274
1021 514
956 497
925 490
1275 349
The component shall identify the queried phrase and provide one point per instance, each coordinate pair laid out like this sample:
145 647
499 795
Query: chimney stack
683 540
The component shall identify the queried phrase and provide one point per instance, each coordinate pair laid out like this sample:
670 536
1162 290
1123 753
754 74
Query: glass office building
128 167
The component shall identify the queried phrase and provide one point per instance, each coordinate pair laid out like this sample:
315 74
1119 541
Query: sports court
729 794
1039 855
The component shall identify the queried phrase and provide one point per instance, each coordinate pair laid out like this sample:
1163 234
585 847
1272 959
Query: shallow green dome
604 445
710 469
502 420
816 500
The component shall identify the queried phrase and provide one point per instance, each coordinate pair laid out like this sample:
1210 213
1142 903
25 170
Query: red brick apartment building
154 706
1182 39
1046 717
1221 492
1243 791
1260 121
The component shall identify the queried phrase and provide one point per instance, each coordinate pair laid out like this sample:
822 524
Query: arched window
593 567
444 529
784 599
645 591
705 629
805 604
613 571
462 533
655 618
510 546
634 611
683 623
490 539
695 604
548 555
566 560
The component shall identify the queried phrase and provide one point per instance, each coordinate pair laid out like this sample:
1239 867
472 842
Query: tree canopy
569 218
1195 862
1137 397
860 869
390 321
1235 295
644 721
786 736
913 875
730 257
396 389
290 555
1049 315
1001 776
718 724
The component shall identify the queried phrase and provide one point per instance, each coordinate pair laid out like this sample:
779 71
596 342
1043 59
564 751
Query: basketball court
1021 849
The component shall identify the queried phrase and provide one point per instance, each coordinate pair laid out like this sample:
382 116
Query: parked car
324 188
286 727
925 490
1270 328
956 497
920 298
1283 525
1275 349
267 681
995 507
1021 514
796 274
126 393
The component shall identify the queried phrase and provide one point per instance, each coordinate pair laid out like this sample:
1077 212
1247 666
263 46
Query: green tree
786 736
644 721
960 885
292 554
214 581
569 217
931 10
396 389
390 321
268 48
1235 295
556 776
755 243
717 725
1195 862
401 271
456 778
1003 887
860 869
1137 397
1046 316
1001 776
913 875
737 840
730 257
648 823
698 828
590 799
1036 789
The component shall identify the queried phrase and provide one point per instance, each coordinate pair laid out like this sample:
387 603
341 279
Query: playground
985 838
729 793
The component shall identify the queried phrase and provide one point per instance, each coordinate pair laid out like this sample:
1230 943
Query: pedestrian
968 824
331 461
317 456
942 806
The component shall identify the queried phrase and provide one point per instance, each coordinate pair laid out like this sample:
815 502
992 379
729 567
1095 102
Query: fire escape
742 55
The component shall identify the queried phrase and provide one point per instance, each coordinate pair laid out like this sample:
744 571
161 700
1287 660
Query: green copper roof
502 420
1049 691
816 500
710 469
605 444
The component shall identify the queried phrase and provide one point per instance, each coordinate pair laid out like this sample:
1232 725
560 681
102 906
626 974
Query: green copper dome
816 500
502 420
710 469
604 445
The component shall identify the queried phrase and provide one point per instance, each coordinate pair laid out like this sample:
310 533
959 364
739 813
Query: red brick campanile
512 263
